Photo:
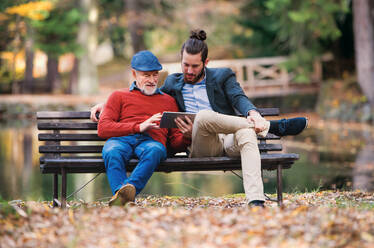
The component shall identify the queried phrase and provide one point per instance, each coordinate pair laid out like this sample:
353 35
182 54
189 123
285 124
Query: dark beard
199 76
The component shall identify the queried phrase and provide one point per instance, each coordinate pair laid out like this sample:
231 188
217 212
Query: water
331 156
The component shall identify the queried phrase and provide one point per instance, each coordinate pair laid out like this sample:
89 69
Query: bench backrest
72 132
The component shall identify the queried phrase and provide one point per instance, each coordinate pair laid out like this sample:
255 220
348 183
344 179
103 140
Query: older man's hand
151 123
97 108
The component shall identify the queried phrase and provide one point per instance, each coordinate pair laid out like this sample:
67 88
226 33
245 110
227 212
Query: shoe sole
115 201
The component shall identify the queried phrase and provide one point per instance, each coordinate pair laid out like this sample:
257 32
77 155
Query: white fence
258 74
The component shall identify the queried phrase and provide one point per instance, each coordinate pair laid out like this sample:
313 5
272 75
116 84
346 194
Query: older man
131 122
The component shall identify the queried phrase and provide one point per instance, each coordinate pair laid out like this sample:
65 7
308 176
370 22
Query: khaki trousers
215 134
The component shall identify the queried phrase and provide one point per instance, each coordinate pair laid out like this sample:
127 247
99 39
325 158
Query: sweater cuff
136 128
186 141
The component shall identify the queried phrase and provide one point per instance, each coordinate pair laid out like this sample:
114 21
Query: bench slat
269 111
98 149
87 126
61 115
67 126
45 169
94 137
70 149
69 137
47 115
79 165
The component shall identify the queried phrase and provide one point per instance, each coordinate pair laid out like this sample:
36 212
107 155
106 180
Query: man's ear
206 62
133 73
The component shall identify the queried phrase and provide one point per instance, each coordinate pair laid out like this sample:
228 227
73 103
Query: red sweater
125 110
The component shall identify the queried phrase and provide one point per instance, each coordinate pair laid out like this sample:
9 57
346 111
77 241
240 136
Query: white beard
148 92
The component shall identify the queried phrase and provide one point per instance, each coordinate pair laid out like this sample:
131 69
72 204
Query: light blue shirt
195 97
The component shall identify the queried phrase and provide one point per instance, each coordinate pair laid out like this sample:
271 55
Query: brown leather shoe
124 195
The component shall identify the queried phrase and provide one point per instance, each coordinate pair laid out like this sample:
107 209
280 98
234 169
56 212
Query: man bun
198 34
196 44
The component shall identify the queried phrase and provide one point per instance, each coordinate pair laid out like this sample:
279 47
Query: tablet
167 119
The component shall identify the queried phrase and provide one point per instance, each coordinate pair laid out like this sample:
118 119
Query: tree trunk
87 76
17 42
52 80
28 84
363 171
135 25
73 81
363 26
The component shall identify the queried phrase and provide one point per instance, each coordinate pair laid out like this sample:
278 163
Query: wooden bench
63 151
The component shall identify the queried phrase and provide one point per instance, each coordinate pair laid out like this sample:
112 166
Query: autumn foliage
32 10
319 219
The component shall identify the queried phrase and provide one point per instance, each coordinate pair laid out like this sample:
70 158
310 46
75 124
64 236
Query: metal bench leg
279 186
55 190
63 188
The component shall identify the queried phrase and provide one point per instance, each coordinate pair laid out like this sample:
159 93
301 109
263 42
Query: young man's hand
151 123
97 108
185 126
258 121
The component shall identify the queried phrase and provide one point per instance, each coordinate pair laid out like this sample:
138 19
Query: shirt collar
134 87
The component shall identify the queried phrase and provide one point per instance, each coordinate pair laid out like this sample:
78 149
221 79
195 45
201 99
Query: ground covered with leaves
319 219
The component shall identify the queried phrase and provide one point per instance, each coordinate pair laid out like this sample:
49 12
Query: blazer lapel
178 94
210 85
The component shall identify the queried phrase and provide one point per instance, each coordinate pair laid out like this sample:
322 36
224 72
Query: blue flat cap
145 61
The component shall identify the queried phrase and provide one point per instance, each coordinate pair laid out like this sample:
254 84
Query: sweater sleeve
177 142
109 125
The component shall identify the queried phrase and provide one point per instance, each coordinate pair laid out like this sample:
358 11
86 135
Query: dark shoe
123 196
256 203
286 127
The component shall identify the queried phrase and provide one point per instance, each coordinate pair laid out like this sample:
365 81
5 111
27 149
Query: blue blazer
224 92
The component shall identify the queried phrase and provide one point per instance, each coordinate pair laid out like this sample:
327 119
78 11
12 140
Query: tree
259 29
136 18
56 35
88 38
29 11
29 54
112 25
300 29
135 24
363 18
5 32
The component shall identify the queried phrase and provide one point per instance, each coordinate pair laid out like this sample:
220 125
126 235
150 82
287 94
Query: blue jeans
118 151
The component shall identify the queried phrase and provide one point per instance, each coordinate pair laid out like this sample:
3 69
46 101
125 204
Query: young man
216 96
130 121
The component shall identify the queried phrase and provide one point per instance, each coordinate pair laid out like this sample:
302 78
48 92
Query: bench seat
96 164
